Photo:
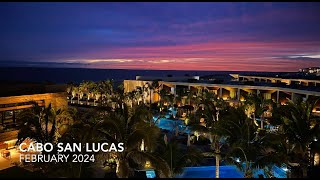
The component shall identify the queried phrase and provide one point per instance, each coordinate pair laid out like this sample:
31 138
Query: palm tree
65 119
84 89
215 136
239 134
129 98
217 144
142 90
90 92
120 88
153 87
132 97
150 88
258 105
273 150
177 156
81 132
118 93
43 125
208 110
300 128
96 93
129 127
38 123
217 156
162 94
246 145
105 88
156 87
75 92
188 95
221 104
137 95
200 95
166 96
70 86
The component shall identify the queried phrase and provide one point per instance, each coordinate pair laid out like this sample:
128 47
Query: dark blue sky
186 36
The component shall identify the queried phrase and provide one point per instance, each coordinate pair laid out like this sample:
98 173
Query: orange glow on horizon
213 56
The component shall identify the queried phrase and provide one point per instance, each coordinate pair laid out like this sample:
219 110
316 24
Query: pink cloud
216 55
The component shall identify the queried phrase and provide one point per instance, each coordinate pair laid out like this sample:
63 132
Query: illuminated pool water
225 172
210 172
171 124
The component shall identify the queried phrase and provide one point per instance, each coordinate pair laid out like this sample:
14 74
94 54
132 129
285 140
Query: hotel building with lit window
311 70
14 98
278 88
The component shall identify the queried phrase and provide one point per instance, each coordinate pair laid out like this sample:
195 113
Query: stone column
258 91
278 93
233 94
238 94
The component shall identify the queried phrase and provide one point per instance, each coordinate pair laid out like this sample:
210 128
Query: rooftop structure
235 90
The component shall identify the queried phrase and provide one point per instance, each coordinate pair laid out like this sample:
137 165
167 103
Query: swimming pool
229 171
171 124
210 172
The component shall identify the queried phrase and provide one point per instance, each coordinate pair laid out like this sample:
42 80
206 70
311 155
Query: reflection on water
172 124
225 172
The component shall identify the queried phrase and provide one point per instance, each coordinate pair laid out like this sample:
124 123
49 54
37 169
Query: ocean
77 75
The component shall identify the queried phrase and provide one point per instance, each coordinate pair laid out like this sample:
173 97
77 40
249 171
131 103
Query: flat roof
285 75
17 89
255 84
315 91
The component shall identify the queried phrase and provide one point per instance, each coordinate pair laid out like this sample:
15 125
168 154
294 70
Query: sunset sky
175 36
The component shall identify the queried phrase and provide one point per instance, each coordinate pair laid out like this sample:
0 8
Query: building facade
234 91
15 99
311 70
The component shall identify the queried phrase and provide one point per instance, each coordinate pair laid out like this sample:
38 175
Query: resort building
16 97
311 70
279 89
